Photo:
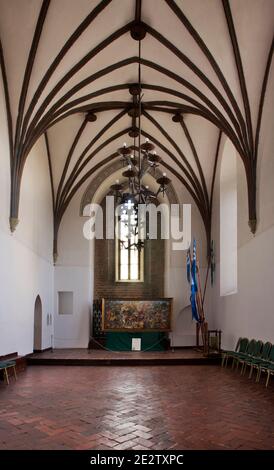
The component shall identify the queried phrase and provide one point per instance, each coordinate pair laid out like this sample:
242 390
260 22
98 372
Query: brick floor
160 407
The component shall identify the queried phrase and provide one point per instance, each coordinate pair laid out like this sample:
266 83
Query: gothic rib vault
68 67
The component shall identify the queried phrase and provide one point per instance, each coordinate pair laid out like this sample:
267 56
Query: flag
188 266
193 302
193 267
194 288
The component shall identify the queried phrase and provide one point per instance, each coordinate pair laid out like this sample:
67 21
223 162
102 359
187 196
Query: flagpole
200 303
189 277
204 325
200 291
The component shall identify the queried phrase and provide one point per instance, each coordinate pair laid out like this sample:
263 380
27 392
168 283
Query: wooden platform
85 357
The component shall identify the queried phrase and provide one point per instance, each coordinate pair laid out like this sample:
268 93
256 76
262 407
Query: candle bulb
117 181
164 174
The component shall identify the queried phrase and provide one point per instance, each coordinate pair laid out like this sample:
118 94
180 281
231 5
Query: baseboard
37 351
8 356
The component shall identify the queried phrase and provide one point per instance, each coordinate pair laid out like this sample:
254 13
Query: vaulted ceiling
68 68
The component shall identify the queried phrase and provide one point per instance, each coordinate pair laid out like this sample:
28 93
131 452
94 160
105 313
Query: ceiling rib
88 147
190 173
67 46
262 96
226 115
197 72
205 111
199 41
78 172
68 159
239 66
195 155
50 170
118 65
70 74
7 101
28 70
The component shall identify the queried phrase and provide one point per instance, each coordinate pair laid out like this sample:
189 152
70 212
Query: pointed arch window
228 220
129 249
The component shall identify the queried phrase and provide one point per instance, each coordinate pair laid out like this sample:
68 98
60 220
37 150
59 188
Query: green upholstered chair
254 362
256 354
239 356
269 371
241 347
5 365
226 354
266 366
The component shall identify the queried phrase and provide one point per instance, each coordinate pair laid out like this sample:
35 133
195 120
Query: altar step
84 357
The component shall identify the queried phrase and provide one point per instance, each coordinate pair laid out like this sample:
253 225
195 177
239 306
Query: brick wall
105 284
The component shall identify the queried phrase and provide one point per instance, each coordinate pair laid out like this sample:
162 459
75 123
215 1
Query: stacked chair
254 354
267 366
256 362
241 347
253 351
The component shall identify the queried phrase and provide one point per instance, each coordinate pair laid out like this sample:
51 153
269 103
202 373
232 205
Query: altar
136 324
123 341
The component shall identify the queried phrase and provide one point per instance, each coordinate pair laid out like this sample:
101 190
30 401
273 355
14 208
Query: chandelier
139 159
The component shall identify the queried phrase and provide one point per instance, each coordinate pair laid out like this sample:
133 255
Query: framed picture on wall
133 315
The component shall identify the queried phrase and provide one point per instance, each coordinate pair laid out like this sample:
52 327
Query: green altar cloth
122 341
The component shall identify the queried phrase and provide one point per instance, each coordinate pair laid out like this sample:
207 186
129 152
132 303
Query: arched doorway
37 337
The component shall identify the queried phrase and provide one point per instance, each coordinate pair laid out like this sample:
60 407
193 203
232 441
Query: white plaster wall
176 285
228 220
250 312
235 314
73 272
25 257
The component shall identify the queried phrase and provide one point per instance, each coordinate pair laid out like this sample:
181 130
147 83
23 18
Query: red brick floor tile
139 447
159 407
142 428
145 442
125 437
125 445
144 435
